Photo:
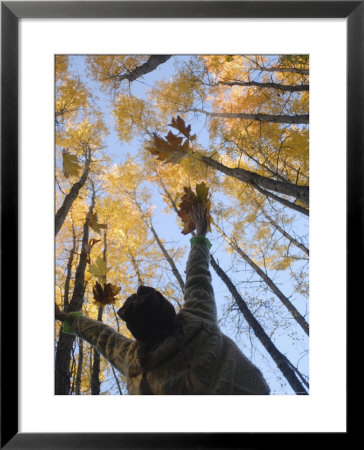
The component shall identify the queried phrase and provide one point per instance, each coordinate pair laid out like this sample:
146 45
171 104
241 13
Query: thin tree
95 369
73 193
272 286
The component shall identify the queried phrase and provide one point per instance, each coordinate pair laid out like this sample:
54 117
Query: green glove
67 323
200 240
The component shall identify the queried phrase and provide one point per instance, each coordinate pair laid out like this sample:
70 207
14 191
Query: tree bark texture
95 370
284 70
69 271
79 367
277 86
260 117
167 256
299 192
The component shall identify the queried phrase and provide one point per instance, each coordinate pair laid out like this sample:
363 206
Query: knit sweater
198 359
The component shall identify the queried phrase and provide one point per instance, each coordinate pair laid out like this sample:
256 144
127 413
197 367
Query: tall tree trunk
95 369
285 70
262 184
136 268
69 270
79 367
260 117
272 286
167 256
277 86
282 362
72 195
65 341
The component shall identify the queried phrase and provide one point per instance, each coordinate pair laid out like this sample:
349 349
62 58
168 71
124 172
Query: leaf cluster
190 199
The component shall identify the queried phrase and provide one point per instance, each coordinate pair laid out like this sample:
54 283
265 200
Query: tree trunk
65 341
260 117
72 195
136 268
284 70
272 286
95 369
166 255
281 361
262 183
151 64
79 367
277 86
69 270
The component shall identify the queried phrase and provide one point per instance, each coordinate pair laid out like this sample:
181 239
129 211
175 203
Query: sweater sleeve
111 344
199 295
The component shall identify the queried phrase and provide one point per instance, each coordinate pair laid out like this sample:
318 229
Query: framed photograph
206 95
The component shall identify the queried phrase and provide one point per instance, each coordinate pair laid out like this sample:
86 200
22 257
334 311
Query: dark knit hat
149 316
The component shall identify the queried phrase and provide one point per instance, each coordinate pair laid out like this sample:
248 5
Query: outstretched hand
198 215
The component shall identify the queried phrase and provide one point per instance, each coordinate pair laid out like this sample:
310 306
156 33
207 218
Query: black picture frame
11 12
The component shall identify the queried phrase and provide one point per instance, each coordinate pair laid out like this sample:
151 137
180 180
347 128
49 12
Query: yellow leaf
99 270
71 166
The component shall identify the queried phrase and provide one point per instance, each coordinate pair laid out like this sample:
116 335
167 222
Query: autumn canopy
142 138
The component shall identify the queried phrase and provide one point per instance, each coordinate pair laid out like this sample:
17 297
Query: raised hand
198 215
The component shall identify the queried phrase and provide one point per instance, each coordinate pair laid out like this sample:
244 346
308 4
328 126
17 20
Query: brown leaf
179 124
105 295
93 223
169 150
189 199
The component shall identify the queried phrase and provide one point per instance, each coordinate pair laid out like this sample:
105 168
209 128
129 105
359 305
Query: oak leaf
71 166
179 124
172 148
189 199
93 223
105 295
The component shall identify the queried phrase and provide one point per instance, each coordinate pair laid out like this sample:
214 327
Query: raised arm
199 295
111 344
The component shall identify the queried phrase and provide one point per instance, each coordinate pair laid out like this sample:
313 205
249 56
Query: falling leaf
93 222
88 248
71 166
179 124
105 295
189 199
172 148
99 270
